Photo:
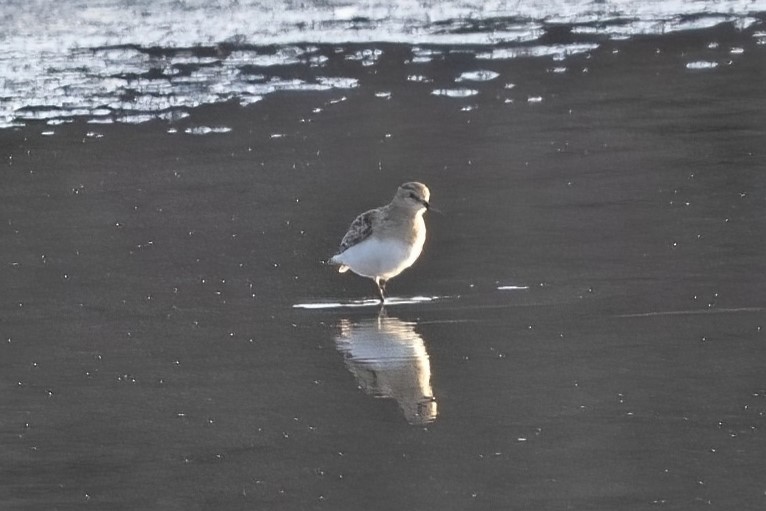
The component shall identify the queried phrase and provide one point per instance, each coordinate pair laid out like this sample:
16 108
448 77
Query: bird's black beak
429 207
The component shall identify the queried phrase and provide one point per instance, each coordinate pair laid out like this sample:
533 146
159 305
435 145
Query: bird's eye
413 196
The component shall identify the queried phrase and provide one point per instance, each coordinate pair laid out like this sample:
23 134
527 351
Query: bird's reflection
389 360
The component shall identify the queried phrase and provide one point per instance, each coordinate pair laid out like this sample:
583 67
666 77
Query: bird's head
413 195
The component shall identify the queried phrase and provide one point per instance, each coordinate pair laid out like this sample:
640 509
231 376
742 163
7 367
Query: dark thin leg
381 289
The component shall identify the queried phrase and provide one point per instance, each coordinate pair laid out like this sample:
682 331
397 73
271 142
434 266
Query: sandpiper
383 242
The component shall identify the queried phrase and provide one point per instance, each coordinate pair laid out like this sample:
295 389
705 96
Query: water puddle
369 302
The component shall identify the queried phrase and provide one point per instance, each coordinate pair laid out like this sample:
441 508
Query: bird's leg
381 288
382 315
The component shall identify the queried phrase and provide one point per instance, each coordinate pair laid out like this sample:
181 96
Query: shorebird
383 242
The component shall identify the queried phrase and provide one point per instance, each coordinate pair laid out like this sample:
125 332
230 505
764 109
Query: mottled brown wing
360 230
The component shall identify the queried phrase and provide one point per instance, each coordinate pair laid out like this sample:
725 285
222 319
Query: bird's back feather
359 230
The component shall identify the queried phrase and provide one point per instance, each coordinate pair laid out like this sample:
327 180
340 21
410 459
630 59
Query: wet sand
152 356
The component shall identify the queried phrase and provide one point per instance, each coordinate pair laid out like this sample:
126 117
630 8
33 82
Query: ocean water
129 62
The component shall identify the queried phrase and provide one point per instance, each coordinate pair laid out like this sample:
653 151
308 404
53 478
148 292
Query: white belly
384 258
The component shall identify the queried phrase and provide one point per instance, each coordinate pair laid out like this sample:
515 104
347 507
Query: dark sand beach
589 332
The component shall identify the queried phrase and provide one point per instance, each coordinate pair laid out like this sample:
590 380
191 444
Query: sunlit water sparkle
131 62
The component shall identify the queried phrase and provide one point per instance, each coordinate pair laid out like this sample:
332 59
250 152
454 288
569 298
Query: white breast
384 258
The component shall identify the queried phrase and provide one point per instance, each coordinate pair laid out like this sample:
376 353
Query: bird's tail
342 268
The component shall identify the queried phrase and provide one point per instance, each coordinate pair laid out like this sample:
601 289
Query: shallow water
585 328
